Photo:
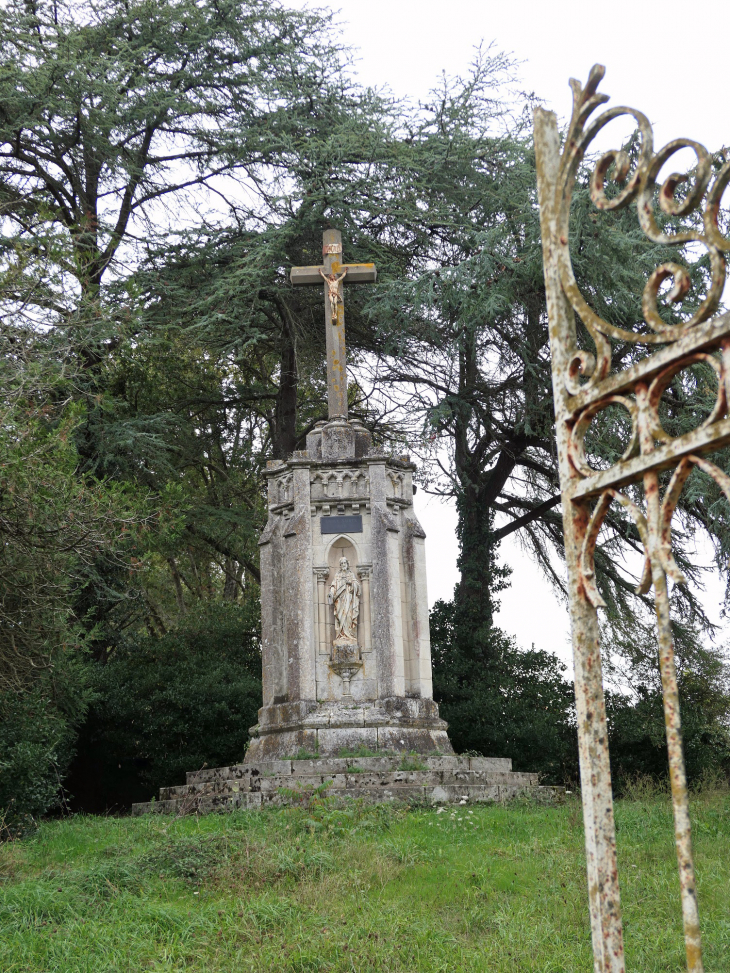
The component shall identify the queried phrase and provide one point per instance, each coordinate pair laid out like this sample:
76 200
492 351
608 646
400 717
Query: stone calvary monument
345 648
345 639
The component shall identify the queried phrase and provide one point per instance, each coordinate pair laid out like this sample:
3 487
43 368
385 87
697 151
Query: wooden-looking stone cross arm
331 275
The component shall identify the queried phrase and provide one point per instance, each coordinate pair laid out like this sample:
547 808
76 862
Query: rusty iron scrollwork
584 385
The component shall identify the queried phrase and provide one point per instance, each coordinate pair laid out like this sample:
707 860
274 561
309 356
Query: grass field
484 888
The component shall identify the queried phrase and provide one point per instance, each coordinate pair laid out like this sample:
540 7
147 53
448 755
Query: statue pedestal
327 729
346 662
371 687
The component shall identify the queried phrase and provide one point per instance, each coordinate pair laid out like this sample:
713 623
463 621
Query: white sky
668 59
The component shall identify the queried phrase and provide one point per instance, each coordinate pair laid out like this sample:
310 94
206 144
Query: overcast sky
668 59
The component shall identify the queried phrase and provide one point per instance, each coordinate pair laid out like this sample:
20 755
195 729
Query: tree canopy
162 166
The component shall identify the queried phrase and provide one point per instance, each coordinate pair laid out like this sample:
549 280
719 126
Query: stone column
322 574
273 669
415 546
298 602
386 618
363 572
273 654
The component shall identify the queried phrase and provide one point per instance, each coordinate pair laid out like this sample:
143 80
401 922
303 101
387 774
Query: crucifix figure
333 291
331 274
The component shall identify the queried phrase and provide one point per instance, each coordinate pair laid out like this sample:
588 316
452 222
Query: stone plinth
339 507
328 727
426 780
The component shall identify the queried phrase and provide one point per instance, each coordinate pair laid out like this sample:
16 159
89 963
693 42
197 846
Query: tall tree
122 120
466 356
122 124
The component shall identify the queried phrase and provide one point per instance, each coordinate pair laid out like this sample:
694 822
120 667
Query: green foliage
36 746
464 353
501 702
637 737
462 889
635 714
304 754
166 705
113 111
360 751
154 357
54 527
123 125
39 721
210 453
412 761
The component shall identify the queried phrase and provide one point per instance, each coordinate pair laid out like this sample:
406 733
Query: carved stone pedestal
345 638
346 662
329 727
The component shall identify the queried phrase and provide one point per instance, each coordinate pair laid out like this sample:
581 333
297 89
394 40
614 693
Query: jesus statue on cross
333 290
332 273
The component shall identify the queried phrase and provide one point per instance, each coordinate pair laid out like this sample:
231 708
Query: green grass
498 888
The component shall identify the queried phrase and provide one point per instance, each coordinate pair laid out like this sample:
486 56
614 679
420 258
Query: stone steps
343 765
438 780
338 782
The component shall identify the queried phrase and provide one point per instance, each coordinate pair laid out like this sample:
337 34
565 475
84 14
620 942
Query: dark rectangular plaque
341 525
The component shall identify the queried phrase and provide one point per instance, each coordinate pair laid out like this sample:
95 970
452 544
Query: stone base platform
403 724
397 777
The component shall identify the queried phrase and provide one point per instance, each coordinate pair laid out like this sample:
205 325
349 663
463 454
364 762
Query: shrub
637 737
502 702
37 736
168 705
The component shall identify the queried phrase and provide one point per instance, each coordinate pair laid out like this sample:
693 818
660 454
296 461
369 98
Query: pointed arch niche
341 546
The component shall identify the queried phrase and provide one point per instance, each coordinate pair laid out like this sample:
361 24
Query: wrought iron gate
584 384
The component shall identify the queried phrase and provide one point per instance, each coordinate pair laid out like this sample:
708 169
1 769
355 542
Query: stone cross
332 274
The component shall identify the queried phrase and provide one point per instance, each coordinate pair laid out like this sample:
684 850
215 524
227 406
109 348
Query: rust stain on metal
583 386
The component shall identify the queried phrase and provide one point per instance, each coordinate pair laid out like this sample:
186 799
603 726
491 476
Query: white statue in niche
344 596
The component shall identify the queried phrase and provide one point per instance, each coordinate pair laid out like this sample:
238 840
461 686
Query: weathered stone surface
287 714
313 698
409 738
346 654
338 440
314 441
287 743
265 767
388 724
445 780
489 763
336 739
363 439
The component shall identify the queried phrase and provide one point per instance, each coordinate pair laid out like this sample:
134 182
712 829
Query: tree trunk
481 577
285 419
178 585
230 589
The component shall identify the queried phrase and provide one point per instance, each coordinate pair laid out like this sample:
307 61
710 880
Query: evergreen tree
162 166
466 359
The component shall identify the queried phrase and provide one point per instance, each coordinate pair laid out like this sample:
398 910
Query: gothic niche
344 597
